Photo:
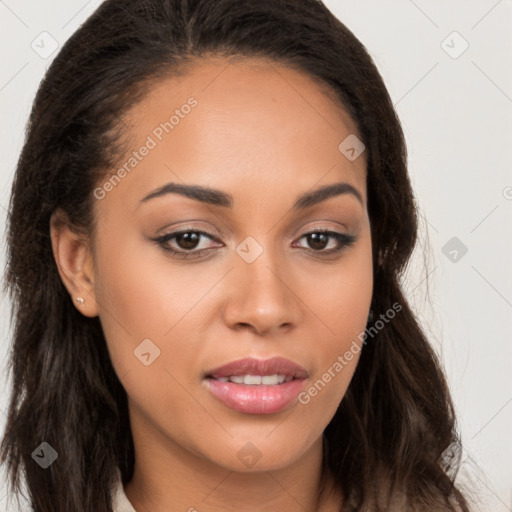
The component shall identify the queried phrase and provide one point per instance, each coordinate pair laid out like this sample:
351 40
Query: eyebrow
218 198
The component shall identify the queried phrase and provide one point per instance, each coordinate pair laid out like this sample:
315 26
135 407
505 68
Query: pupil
317 240
187 240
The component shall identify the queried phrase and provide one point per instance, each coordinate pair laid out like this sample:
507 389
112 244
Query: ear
72 253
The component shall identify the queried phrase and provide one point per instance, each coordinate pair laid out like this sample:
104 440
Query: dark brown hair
387 438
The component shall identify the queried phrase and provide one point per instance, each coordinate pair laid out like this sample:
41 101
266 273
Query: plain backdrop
447 68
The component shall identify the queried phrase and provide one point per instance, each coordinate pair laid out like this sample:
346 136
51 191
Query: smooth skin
265 134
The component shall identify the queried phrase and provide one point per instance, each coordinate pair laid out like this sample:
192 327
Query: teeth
255 380
252 379
272 380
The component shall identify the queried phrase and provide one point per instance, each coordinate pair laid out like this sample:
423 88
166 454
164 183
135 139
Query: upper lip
251 366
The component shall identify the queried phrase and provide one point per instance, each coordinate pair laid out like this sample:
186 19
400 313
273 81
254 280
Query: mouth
256 380
256 386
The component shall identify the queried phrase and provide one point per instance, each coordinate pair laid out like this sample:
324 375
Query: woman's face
246 280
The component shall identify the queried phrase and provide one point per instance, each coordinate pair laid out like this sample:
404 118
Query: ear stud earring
80 300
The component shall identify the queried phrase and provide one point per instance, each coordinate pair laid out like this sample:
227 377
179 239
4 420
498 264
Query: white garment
120 502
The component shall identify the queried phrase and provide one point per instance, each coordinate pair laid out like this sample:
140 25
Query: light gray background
456 114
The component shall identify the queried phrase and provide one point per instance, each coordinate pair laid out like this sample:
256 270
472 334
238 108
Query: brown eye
184 244
318 241
188 239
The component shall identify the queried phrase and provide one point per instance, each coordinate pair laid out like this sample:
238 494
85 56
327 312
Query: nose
261 298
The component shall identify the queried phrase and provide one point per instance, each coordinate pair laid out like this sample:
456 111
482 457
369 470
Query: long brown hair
387 439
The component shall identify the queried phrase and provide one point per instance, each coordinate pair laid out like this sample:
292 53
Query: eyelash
344 240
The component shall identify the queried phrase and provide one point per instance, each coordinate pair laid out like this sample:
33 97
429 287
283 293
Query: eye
319 240
187 242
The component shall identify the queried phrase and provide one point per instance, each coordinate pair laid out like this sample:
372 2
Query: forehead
220 83
252 120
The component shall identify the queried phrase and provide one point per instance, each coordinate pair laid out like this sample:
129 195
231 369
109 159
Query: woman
208 224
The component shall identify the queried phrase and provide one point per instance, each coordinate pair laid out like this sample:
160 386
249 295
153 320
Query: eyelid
177 227
325 225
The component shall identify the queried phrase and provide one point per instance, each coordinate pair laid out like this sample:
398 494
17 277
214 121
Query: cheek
143 296
341 304
341 295
343 301
147 312
143 291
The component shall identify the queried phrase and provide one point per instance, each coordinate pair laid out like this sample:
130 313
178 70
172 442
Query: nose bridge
262 298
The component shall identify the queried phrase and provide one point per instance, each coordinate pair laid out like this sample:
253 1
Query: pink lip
257 399
251 366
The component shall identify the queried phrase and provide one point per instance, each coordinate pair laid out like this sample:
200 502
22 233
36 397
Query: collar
120 502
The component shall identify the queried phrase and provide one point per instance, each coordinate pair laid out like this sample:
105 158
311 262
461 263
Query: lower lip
257 399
